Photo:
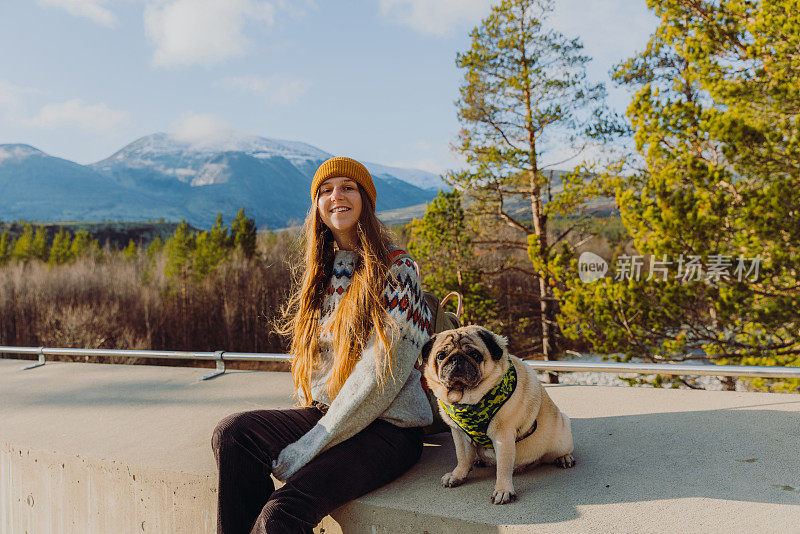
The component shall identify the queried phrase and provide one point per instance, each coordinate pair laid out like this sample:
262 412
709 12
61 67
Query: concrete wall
50 492
92 448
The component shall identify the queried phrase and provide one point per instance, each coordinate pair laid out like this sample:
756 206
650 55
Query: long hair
361 310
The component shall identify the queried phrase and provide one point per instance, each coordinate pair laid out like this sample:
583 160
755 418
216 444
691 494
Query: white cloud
435 17
201 129
11 95
92 117
277 90
94 10
188 32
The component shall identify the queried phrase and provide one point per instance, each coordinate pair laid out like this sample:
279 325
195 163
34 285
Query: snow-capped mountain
422 179
17 152
163 176
36 186
191 161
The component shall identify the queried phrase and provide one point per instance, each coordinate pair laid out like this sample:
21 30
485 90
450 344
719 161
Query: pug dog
498 412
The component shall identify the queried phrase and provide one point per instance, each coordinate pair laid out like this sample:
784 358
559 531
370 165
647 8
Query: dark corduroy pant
246 443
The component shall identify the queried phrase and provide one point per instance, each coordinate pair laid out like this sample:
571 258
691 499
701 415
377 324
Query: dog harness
474 419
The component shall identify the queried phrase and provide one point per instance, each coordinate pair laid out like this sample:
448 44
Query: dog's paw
450 480
504 496
565 462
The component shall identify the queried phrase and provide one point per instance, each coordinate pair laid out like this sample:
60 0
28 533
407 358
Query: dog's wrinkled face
458 361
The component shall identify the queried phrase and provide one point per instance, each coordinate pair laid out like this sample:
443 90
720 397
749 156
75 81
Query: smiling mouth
339 210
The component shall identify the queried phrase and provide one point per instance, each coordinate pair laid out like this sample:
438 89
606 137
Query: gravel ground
711 383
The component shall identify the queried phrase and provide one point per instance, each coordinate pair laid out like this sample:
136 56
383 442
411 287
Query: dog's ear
425 352
492 342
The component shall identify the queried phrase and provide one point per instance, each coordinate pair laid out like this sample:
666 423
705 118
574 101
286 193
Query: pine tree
39 248
442 245
211 248
243 232
5 246
130 251
82 244
155 246
179 248
524 93
715 123
60 252
23 248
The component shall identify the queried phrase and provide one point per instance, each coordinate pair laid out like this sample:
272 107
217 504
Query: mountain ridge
162 176
162 144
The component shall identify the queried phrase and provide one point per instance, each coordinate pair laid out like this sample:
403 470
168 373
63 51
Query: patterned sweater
400 400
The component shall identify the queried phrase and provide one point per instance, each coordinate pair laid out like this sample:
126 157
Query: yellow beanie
342 167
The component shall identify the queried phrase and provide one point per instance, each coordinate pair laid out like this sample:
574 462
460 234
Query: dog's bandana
474 419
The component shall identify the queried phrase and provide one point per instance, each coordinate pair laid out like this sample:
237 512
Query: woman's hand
295 455
289 461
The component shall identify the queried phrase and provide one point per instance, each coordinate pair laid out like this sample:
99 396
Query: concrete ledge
59 493
114 448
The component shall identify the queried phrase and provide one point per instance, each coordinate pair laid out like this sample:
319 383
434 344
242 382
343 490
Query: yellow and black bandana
474 419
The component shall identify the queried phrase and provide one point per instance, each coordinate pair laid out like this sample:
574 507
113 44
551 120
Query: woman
357 322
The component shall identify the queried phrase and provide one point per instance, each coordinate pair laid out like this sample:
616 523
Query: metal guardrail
220 357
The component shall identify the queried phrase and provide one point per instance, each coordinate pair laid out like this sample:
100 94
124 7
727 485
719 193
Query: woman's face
339 205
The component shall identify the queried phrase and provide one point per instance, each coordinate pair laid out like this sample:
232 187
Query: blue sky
373 79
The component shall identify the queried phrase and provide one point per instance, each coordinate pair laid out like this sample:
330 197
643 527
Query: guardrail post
220 366
40 363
